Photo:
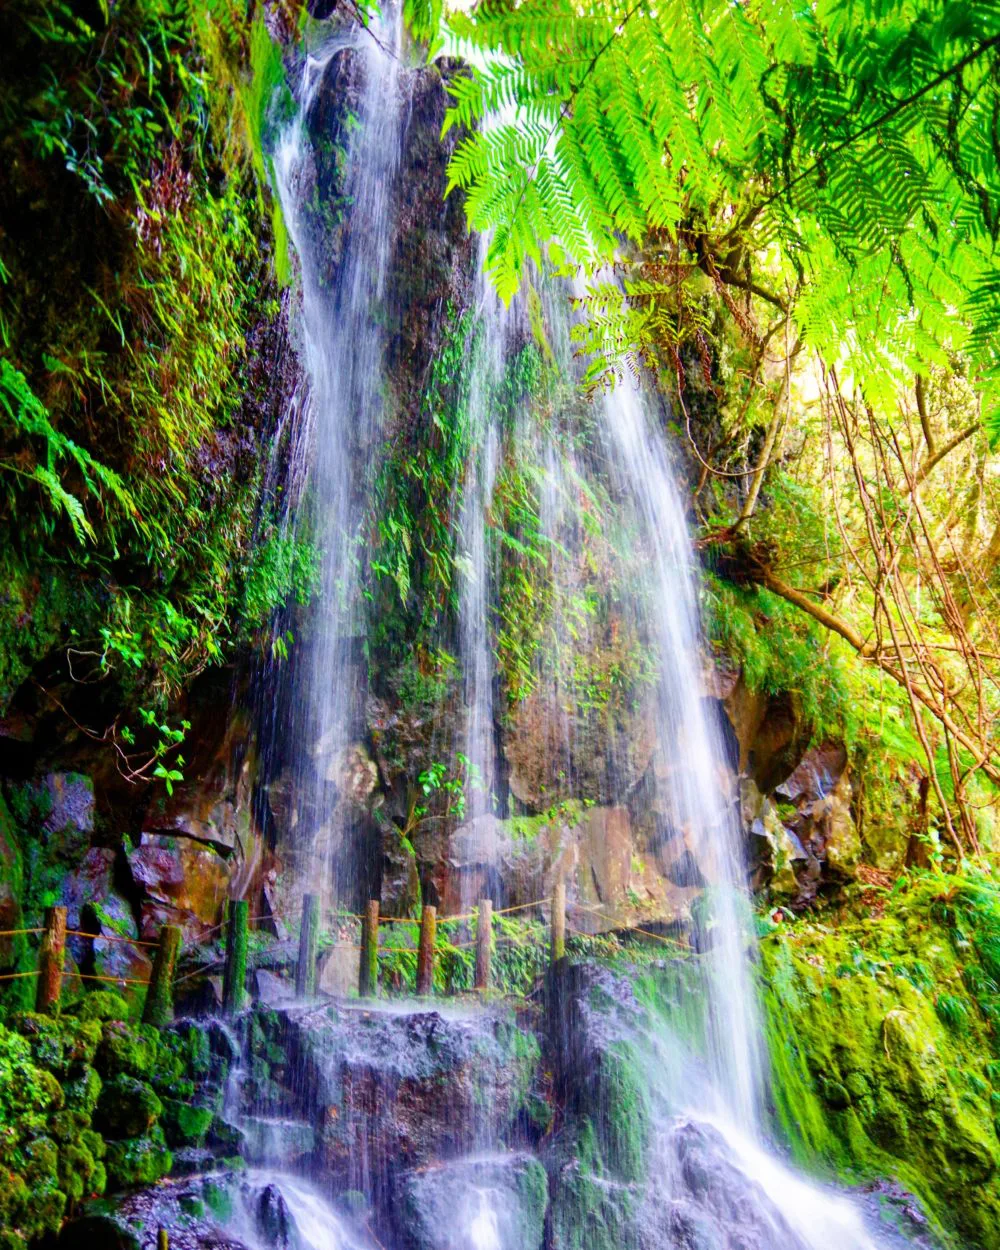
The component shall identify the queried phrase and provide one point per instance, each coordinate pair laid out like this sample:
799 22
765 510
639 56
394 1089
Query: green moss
184 1124
219 1200
99 1005
82 1093
126 1048
588 1210
139 1161
869 1076
126 1108
622 1113
52 1135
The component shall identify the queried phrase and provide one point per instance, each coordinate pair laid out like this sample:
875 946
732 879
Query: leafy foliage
848 150
134 285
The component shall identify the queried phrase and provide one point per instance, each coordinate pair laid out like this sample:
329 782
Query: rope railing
428 943
108 937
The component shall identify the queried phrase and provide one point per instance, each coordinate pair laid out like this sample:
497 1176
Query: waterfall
699 808
342 350
475 641
710 1094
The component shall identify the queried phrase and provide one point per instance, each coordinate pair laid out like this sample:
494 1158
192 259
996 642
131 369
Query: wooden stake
484 944
162 1240
368 978
558 920
234 977
425 951
305 972
159 1005
50 960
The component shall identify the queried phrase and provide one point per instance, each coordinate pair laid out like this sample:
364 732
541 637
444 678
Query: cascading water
343 353
475 648
690 751
720 1100
706 1097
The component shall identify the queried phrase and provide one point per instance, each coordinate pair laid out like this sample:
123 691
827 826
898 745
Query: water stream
713 1165
343 347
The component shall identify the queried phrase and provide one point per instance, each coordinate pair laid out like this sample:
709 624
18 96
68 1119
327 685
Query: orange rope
18 932
12 976
660 937
506 911
105 937
87 976
198 972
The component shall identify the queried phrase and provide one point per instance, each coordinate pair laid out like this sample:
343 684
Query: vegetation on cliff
882 1024
141 329
803 214
785 221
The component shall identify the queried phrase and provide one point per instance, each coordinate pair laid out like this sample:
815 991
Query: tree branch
944 450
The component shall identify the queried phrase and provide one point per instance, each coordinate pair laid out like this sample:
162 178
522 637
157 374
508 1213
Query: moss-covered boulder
138 1160
184 1123
883 1050
126 1108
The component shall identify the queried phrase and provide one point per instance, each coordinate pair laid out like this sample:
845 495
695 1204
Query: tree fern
26 416
852 148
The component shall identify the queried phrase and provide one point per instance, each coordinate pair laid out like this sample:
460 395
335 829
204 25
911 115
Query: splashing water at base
484 1229
280 1210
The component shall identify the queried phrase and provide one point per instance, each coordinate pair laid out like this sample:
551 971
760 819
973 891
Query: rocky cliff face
578 788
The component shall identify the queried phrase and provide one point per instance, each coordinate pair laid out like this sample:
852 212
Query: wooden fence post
484 945
159 1006
425 950
235 974
162 1240
368 978
50 960
305 972
558 920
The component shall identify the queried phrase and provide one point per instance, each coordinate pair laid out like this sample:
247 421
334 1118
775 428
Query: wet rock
591 756
775 851
337 970
403 1085
196 1212
271 989
185 883
771 732
818 798
350 768
273 1220
277 1142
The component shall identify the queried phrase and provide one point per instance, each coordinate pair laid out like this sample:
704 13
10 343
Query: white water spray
343 348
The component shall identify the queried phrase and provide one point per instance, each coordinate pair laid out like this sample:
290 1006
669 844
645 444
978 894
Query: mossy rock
80 1174
99 1005
82 1093
622 1113
127 1107
184 1124
193 1047
131 1050
138 1161
588 1210
61 1045
868 1079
